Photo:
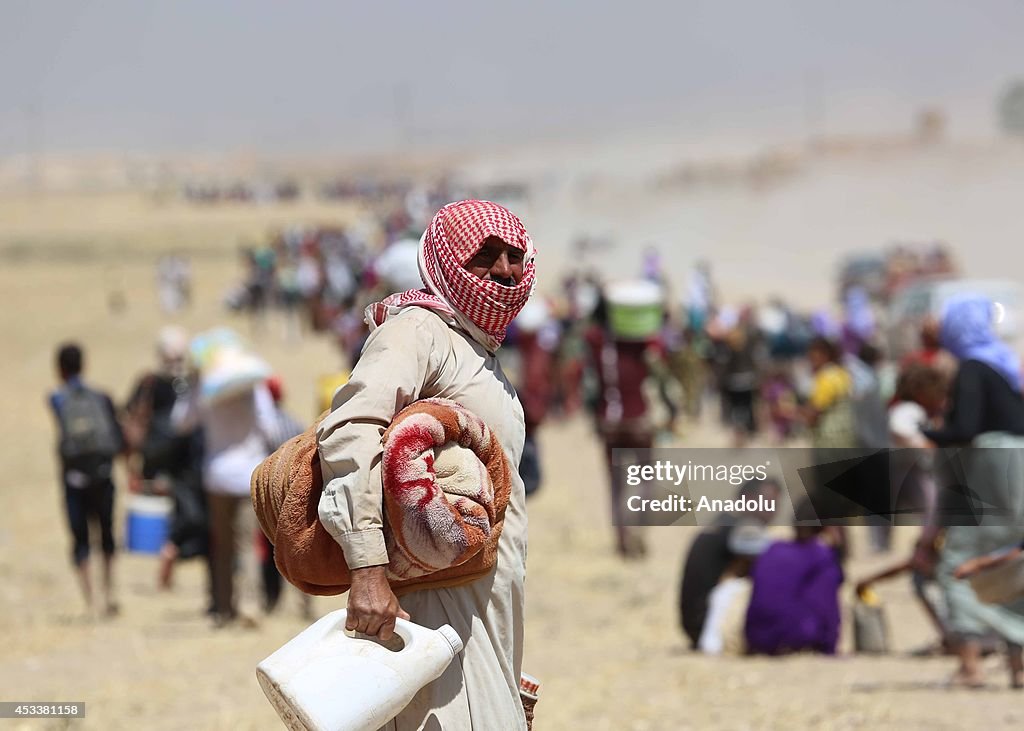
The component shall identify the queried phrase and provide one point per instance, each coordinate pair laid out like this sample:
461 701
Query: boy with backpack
89 440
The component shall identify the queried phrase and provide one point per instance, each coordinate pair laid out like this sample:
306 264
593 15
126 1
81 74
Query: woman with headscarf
476 261
986 412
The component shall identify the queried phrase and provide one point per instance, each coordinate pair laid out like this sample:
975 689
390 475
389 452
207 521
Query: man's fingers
359 619
373 608
374 624
387 629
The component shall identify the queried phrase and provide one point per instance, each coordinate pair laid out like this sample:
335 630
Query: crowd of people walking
645 359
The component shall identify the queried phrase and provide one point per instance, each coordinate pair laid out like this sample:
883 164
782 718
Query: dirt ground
602 635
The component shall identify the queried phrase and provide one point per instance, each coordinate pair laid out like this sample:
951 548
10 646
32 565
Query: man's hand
372 606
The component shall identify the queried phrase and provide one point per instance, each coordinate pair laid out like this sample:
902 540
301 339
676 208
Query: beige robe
415 355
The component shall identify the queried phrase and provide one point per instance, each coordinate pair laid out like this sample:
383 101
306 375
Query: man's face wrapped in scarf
477 262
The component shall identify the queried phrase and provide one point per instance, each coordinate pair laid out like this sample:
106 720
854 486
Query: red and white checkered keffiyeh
482 308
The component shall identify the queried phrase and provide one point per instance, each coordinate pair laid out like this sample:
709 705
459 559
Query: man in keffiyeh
477 264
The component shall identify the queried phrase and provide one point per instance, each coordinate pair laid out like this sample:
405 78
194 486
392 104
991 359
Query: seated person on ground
794 605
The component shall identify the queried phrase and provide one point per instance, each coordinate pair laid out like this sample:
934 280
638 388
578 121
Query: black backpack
87 427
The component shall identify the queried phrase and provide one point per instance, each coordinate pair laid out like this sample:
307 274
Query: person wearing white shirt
236 431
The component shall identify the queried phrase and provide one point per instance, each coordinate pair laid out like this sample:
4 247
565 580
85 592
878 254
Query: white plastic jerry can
325 679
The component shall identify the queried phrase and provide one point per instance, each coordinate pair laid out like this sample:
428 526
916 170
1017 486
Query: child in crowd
829 413
920 397
780 398
794 602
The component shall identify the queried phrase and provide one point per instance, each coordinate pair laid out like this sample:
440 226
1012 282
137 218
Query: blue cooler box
148 521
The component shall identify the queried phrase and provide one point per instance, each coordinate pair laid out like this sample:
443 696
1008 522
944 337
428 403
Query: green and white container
635 309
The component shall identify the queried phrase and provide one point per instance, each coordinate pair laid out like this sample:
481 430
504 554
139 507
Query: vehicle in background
868 271
916 302
884 274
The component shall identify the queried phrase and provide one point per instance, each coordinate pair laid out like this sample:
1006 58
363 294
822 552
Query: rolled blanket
446 485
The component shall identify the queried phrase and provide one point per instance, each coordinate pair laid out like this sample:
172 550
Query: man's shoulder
82 387
98 392
59 397
418 315
415 323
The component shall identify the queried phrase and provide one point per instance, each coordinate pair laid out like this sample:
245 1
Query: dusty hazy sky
342 76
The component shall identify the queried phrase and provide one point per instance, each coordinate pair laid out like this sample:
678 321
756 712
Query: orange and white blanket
446 485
